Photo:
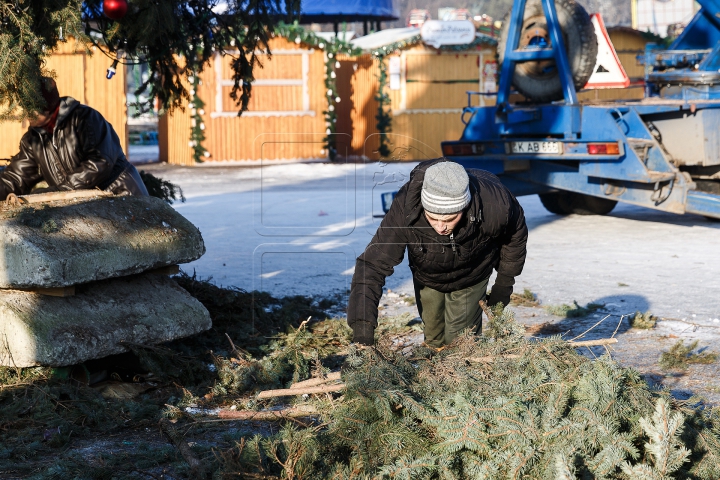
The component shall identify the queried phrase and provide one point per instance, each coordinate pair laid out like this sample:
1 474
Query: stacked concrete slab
108 248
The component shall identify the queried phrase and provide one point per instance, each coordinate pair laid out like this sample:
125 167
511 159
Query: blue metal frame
641 172
703 31
514 56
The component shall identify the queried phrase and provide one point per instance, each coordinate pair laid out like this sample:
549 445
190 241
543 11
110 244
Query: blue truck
660 152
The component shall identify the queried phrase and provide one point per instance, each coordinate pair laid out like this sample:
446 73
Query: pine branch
175 39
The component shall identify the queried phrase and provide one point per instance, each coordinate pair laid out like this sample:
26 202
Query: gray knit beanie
446 188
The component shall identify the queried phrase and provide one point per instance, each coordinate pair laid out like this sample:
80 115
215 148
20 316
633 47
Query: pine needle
681 356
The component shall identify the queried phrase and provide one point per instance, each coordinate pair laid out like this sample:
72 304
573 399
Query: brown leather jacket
83 152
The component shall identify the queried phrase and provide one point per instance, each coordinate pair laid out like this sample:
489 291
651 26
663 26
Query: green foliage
197 126
502 325
525 299
157 187
644 321
50 226
402 324
41 411
666 451
28 31
173 38
681 356
289 358
547 413
574 310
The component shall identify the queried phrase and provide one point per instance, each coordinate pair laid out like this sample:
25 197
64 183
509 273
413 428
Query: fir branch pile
490 407
537 410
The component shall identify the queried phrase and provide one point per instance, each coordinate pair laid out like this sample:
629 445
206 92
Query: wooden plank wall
256 135
81 76
428 106
425 111
357 87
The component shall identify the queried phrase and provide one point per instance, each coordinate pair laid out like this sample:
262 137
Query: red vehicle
417 17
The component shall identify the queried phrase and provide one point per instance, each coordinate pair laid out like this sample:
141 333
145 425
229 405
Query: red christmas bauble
115 9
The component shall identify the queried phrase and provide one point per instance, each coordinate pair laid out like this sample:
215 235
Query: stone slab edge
54 331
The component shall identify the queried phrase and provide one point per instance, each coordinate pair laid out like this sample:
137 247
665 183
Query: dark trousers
446 315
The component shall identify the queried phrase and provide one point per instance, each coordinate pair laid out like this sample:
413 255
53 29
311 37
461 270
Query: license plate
536 147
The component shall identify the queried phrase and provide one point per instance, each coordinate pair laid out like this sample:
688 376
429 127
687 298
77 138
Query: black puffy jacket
491 235
83 152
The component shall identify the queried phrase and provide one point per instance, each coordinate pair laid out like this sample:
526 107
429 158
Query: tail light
461 149
603 148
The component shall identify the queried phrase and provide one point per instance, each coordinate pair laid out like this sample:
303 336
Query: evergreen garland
197 127
332 48
162 33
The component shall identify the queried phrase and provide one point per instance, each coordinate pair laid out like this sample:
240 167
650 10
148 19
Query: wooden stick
330 377
287 392
594 343
55 196
272 415
176 439
487 310
492 359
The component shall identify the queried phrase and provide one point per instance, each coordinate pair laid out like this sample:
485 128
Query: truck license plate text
535 147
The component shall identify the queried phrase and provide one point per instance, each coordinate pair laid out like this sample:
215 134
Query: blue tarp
331 11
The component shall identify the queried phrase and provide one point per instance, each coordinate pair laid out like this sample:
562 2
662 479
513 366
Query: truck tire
540 81
565 203
554 203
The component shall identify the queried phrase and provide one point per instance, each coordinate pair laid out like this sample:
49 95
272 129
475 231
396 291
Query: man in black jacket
72 147
457 228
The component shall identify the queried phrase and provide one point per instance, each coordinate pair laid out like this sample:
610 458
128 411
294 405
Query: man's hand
363 333
501 291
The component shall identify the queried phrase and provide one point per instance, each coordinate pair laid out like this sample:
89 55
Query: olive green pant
446 315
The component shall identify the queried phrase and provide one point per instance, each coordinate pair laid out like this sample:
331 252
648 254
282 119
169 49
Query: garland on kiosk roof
332 47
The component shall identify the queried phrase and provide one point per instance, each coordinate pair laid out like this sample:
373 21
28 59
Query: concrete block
73 241
57 331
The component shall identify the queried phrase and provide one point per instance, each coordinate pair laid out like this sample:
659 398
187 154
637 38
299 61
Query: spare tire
539 80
